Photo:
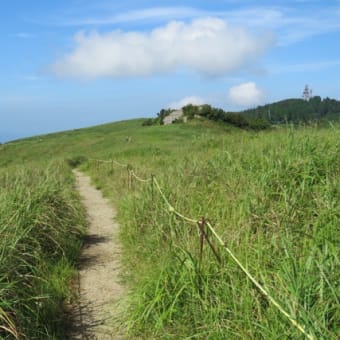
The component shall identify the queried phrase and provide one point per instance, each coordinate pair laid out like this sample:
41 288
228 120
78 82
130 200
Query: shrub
75 161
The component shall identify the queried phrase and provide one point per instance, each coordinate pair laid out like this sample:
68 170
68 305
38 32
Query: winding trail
100 293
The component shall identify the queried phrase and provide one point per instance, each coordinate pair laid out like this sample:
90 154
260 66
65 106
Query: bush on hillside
150 122
75 161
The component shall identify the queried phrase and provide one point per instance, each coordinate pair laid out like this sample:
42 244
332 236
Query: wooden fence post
152 187
128 176
204 235
201 232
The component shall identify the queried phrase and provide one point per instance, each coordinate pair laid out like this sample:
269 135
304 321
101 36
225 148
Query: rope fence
201 224
133 174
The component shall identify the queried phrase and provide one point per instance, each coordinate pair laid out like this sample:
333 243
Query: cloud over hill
246 94
194 100
209 46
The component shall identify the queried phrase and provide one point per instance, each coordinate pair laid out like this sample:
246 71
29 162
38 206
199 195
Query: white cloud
290 24
246 94
194 100
208 46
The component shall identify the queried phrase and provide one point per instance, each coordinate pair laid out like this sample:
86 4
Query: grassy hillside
272 196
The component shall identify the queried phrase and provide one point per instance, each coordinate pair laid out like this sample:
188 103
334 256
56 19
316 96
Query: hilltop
191 112
260 118
297 110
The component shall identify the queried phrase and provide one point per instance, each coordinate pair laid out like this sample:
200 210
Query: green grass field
272 196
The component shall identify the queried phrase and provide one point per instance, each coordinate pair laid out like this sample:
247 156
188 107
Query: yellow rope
139 178
119 164
109 161
171 208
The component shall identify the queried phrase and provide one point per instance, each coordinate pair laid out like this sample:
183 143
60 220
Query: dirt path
99 289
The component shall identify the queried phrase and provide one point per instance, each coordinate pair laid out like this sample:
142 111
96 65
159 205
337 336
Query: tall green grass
273 197
41 223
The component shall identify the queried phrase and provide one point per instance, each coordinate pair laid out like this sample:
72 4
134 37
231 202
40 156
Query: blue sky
72 63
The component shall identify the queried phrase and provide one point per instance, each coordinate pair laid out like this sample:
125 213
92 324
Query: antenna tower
307 93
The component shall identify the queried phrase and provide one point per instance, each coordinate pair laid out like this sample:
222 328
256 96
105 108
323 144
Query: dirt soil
101 294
